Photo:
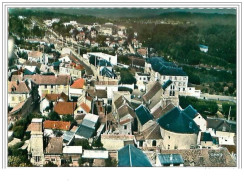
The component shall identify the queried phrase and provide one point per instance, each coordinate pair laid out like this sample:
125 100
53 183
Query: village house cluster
143 126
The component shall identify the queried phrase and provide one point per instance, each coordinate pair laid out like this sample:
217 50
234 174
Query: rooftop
167 159
143 114
49 79
99 154
64 108
55 145
178 122
165 68
130 156
78 84
72 150
57 125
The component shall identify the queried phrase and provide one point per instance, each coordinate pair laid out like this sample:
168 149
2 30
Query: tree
97 143
19 131
126 77
110 162
82 142
50 164
54 116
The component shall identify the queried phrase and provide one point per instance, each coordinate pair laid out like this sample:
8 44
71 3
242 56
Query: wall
17 99
57 89
181 141
114 143
201 122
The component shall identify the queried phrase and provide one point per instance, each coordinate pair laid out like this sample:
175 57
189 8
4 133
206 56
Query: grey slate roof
143 114
190 111
206 136
108 73
68 135
152 132
167 159
154 89
166 84
130 156
85 131
165 68
178 122
220 125
124 110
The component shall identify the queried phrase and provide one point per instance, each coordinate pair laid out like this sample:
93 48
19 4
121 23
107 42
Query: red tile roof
64 108
78 84
57 125
35 54
18 87
54 97
34 127
49 79
85 107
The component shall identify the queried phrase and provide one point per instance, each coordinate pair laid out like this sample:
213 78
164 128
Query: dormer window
190 125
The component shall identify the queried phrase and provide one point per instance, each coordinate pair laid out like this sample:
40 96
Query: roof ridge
130 156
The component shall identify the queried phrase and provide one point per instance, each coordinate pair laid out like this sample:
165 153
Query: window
168 147
175 78
169 137
125 126
37 158
52 159
154 143
183 89
13 99
52 86
45 86
140 143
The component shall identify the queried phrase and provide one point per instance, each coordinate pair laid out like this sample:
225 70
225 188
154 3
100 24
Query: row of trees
204 107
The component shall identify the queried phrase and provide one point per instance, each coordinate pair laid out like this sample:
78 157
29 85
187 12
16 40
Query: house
50 83
54 150
205 157
50 127
203 48
143 116
130 156
153 94
22 109
223 130
49 100
93 33
126 117
150 137
178 130
105 30
137 62
30 70
114 142
76 89
18 91
87 42
143 52
171 160
110 59
198 119
81 36
141 80
65 58
36 56
35 148
65 108
163 71
72 154
88 127
83 108
109 86
206 140
160 111
72 69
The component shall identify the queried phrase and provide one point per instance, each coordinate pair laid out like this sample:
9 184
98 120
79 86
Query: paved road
217 97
